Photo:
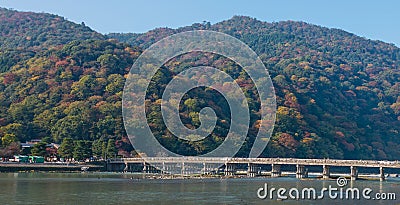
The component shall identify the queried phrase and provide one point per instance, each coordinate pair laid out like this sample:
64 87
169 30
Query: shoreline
47 167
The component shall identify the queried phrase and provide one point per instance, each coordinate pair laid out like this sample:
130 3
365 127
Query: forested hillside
22 34
337 93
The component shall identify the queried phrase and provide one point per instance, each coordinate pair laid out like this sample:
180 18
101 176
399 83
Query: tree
7 139
78 150
70 126
14 129
97 148
191 104
39 149
111 149
104 149
115 83
87 149
47 140
82 88
82 150
10 150
66 148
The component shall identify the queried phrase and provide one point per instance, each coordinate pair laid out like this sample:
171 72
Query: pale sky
378 20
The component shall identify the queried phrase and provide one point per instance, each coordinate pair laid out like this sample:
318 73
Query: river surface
113 188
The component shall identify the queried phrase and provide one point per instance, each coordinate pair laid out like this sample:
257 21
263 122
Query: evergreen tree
78 150
39 149
97 148
111 149
66 148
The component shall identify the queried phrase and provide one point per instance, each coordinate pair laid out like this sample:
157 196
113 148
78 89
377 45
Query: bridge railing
332 162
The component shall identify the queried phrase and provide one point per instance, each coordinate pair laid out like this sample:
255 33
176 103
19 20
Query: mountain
24 33
39 30
60 80
337 93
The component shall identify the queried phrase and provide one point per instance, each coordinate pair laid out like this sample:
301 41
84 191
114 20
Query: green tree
111 149
70 126
87 149
82 150
15 129
115 83
78 150
82 88
97 148
47 140
7 139
66 149
191 104
104 149
39 149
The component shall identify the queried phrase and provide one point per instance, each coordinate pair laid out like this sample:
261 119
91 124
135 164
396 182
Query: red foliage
61 63
9 78
288 141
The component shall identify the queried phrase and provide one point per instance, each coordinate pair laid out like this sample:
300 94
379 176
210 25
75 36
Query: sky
377 20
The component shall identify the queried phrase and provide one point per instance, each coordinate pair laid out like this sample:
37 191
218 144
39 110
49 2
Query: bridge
232 166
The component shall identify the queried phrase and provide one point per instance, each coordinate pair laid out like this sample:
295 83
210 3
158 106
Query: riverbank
48 167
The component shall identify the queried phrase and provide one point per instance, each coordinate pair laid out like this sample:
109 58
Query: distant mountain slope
24 33
337 93
33 30
344 88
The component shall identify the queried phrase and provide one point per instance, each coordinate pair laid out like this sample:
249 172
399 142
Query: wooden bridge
230 166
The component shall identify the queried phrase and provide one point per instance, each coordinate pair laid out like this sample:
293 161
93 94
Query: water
112 188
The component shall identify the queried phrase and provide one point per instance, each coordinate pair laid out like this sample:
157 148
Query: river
114 188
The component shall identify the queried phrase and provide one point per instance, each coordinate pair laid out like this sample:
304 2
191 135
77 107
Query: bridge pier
207 168
163 168
204 170
183 168
381 174
251 170
229 169
353 173
148 169
301 172
276 170
326 174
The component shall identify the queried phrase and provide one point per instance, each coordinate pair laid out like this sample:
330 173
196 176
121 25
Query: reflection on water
111 188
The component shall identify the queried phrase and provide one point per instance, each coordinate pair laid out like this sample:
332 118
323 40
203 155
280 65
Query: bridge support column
251 170
163 168
204 170
183 169
326 174
301 172
381 174
145 168
276 170
229 169
353 173
126 168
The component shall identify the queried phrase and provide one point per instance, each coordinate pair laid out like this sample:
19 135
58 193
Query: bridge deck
288 161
